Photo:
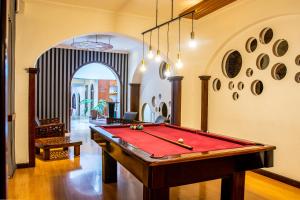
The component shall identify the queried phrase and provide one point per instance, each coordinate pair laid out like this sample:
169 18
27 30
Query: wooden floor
80 178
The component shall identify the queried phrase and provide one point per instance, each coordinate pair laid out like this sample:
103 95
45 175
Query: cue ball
180 140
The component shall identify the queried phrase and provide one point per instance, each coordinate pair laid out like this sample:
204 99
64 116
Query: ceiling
119 43
138 7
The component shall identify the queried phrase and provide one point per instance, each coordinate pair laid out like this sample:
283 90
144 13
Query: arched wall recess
262 61
216 84
251 45
249 72
280 47
297 60
257 87
232 64
231 85
266 35
297 77
235 96
153 101
279 71
240 85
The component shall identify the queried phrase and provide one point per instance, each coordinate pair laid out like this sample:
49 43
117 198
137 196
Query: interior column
135 98
176 99
204 102
31 114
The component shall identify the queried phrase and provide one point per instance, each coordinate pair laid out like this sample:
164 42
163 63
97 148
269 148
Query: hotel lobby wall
38 26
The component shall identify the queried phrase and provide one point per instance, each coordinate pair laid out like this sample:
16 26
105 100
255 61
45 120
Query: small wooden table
56 142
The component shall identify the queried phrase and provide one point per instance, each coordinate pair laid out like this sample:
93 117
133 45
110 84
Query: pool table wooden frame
157 175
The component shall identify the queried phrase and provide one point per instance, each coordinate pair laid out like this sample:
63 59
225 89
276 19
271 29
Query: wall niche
279 71
232 64
280 47
266 35
251 45
257 87
262 61
216 84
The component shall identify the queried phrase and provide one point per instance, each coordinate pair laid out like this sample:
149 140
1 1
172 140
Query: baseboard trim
23 165
278 177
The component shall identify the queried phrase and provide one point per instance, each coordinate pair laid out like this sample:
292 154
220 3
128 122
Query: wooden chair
49 128
128 118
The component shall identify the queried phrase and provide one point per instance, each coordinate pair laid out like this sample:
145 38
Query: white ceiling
95 71
138 7
119 43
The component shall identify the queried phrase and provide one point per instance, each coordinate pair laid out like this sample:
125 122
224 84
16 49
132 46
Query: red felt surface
158 148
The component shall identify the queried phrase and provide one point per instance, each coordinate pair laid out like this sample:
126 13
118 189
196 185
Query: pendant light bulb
192 42
179 63
168 70
150 53
143 66
158 56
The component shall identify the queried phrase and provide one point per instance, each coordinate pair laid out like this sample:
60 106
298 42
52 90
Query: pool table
156 158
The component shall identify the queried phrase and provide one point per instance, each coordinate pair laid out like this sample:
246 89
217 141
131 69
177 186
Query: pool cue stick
176 143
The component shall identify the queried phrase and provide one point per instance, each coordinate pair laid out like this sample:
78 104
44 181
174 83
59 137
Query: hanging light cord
172 9
156 12
151 39
158 38
179 36
192 22
143 46
168 43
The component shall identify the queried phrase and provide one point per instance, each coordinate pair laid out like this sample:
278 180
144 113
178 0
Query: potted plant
97 109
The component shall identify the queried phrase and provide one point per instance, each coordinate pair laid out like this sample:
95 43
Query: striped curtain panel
57 67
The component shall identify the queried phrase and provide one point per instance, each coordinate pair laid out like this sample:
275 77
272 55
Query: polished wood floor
80 178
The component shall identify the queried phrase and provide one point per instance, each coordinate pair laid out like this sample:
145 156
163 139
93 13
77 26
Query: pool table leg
37 150
233 187
109 168
46 154
76 150
155 194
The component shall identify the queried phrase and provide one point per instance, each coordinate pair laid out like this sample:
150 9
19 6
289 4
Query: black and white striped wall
56 69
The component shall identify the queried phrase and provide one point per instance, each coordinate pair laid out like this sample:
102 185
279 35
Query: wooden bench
56 142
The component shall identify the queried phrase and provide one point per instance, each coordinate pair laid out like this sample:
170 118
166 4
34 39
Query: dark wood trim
135 98
176 89
3 120
278 177
23 165
11 117
233 186
206 7
204 102
31 114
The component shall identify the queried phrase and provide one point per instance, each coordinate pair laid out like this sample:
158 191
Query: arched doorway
99 85
54 94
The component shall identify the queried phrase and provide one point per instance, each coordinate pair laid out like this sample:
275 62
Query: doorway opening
93 87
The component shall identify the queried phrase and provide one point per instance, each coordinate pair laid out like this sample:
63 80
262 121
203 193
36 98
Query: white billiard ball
180 140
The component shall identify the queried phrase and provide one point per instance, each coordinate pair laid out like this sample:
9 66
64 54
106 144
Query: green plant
100 106
86 102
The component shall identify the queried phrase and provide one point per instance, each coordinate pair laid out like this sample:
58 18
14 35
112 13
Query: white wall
153 85
272 117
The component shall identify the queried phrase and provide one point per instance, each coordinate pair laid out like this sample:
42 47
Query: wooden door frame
3 117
